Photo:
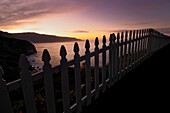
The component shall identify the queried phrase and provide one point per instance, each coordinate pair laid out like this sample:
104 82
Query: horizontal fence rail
126 50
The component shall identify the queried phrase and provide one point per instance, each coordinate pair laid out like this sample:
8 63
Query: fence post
121 53
117 58
27 85
129 52
48 81
110 59
136 45
143 43
114 59
96 73
139 45
125 58
77 78
133 53
104 64
88 72
5 103
65 80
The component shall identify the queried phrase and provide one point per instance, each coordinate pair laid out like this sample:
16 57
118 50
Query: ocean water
54 50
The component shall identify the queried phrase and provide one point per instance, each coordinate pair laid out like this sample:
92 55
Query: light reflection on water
54 50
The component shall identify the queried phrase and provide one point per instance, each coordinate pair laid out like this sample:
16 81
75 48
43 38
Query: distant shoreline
38 38
57 41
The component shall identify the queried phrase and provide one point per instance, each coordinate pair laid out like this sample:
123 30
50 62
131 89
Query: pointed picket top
137 34
133 34
23 62
140 33
111 39
126 35
76 48
130 35
96 42
1 73
87 45
46 56
63 51
122 36
104 40
118 37
114 37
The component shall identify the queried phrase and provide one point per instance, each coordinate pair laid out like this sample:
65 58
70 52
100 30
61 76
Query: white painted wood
65 80
104 65
129 51
121 54
5 104
77 78
136 45
27 85
48 82
125 52
117 76
88 72
110 59
139 45
114 59
142 43
133 53
96 68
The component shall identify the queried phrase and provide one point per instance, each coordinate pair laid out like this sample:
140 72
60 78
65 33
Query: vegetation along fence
125 53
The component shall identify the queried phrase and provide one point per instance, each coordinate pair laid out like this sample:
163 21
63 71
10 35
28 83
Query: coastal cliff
10 51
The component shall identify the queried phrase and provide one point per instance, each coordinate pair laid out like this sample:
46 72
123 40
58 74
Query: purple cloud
80 31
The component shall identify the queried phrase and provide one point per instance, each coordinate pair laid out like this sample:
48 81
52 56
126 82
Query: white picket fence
125 53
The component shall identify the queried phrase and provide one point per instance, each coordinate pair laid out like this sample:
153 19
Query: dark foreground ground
146 89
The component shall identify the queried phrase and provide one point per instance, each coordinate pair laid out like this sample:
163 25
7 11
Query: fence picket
117 58
133 53
96 68
104 65
136 48
65 80
125 56
110 59
129 52
77 78
114 61
4 95
88 72
139 45
121 54
48 82
27 85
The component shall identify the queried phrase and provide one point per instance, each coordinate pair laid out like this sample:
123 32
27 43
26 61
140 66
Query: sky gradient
85 19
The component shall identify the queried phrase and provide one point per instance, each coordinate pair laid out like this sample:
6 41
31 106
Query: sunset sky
83 19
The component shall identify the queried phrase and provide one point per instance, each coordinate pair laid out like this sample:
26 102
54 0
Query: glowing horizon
83 19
